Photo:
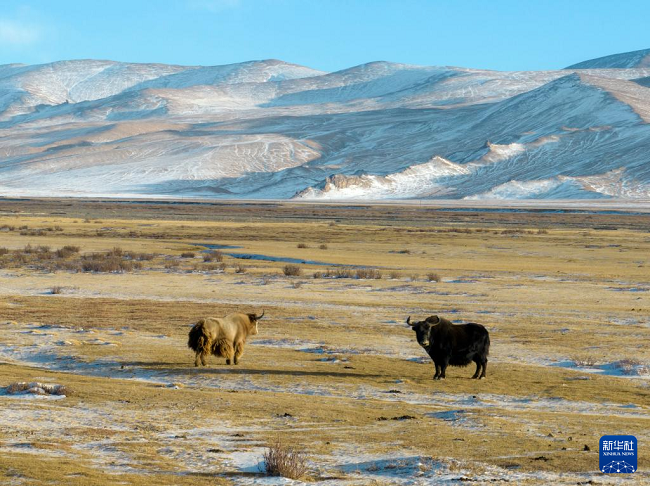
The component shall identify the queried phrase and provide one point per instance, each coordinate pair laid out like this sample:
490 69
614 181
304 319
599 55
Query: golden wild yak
453 344
222 336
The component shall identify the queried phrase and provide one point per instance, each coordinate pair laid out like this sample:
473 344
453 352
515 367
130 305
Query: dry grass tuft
172 264
302 245
67 251
340 272
285 461
41 258
68 258
345 272
292 270
37 388
110 262
368 273
16 387
187 254
213 256
586 361
140 257
323 246
210 267
630 366
433 277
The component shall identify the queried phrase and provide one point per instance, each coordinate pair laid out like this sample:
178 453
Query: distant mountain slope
566 127
270 129
626 60
87 80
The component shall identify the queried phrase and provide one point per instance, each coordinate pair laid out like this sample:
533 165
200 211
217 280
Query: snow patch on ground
621 368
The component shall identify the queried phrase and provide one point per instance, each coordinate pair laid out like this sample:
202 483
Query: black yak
222 336
453 344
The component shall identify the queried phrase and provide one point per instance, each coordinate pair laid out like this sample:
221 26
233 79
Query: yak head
254 318
423 329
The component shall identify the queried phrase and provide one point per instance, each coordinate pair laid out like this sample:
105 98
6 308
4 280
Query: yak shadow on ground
223 369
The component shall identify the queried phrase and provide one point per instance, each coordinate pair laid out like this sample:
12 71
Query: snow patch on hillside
535 189
616 184
611 184
418 180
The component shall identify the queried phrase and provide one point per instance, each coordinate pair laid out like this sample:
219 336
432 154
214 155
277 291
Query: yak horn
257 318
408 320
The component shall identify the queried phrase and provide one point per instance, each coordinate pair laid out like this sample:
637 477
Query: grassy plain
334 370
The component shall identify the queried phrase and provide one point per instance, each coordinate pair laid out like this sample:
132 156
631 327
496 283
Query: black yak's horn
257 318
408 321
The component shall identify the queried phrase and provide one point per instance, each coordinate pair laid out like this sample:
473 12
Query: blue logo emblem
618 454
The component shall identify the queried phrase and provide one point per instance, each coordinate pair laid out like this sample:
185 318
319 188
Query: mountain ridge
271 129
632 59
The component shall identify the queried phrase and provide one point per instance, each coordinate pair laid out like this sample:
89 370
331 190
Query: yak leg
200 357
230 357
484 369
443 369
225 349
479 365
239 350
437 375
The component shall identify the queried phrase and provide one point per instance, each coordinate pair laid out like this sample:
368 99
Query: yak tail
198 339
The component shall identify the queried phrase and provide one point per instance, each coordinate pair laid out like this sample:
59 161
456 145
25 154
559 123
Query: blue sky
324 34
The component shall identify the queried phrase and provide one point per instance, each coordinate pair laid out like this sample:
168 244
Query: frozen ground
60 348
52 347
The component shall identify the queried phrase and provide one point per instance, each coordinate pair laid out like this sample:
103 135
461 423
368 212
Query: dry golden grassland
334 371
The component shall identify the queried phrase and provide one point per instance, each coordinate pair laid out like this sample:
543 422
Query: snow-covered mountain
270 129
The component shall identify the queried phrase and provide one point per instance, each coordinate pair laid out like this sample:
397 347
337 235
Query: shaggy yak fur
453 344
224 336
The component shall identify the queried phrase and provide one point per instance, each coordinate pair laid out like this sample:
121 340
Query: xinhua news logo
618 454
